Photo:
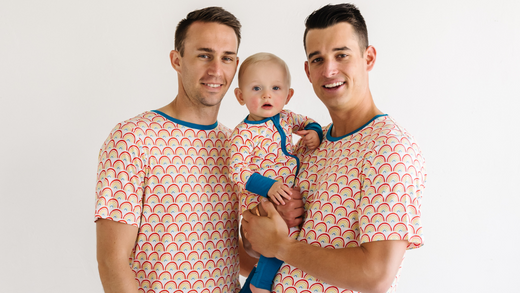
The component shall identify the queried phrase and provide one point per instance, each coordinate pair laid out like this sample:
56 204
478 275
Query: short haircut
208 14
330 15
263 57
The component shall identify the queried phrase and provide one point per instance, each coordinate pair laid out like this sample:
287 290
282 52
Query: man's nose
215 68
330 68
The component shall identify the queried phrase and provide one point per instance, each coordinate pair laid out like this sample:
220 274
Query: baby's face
265 89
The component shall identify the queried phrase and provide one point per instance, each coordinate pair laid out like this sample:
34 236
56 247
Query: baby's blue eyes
257 88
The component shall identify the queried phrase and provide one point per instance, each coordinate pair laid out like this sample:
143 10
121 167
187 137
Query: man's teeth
213 84
334 84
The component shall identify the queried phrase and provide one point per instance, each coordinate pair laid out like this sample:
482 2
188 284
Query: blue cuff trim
316 127
259 184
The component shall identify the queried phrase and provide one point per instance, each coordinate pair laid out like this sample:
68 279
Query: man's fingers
295 222
295 193
247 215
268 207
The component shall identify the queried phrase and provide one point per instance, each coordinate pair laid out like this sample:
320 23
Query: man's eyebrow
344 48
313 54
209 50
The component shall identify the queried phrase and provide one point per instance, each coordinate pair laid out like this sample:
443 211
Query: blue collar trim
188 124
273 118
332 138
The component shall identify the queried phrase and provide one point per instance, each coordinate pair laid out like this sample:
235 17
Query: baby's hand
310 138
279 191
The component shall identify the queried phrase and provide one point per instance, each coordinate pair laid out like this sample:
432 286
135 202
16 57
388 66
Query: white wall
70 70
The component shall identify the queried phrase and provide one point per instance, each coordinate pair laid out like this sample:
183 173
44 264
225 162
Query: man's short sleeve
120 176
390 204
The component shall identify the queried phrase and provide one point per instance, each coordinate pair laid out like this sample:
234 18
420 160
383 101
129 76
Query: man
167 214
362 186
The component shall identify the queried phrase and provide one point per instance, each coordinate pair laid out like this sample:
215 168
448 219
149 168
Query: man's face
209 63
337 67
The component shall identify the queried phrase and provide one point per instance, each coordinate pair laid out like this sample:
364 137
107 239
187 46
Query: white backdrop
70 70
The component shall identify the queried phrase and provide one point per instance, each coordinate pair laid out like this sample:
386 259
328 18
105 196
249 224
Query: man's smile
333 85
213 85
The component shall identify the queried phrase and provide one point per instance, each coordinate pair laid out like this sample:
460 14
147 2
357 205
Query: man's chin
211 102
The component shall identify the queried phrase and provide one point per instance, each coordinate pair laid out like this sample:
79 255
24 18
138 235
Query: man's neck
351 118
188 112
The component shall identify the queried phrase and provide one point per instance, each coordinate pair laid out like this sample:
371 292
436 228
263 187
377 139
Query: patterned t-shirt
365 186
170 178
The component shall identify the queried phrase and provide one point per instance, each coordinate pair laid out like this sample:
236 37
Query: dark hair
330 15
208 14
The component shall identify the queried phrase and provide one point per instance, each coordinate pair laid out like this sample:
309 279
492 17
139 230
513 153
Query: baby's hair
263 57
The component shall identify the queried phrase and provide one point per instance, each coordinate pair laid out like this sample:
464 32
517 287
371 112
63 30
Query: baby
261 159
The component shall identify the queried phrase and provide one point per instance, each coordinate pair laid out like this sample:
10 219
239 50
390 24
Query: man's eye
316 60
227 59
256 88
203 56
341 56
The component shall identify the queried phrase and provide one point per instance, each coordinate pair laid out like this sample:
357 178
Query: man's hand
247 246
278 191
266 234
310 138
292 211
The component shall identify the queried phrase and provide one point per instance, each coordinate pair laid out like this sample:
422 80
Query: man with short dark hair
166 211
362 186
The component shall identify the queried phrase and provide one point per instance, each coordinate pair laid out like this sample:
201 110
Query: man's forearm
247 262
115 242
117 278
372 267
369 268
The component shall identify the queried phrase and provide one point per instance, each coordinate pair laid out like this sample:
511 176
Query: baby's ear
240 98
289 96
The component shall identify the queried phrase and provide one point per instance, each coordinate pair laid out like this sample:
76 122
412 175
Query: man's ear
306 65
175 59
289 95
240 98
370 57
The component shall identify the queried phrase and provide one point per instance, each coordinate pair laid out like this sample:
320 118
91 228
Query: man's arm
292 211
369 268
115 242
247 262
